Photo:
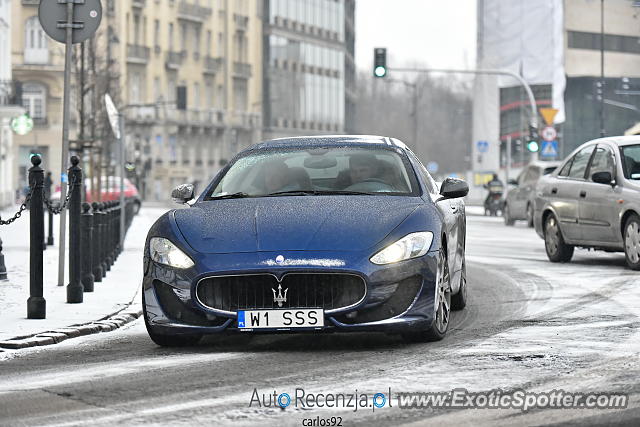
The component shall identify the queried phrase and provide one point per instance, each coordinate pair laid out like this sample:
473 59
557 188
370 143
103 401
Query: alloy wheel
444 296
632 241
551 235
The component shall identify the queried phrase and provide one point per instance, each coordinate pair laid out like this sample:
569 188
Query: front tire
557 249
529 215
168 340
459 300
508 220
442 301
632 242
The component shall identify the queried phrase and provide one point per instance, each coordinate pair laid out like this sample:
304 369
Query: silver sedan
592 200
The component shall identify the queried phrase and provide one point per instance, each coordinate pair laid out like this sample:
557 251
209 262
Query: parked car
316 234
109 191
592 200
518 204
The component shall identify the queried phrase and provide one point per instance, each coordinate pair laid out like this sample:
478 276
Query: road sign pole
122 173
65 137
507 170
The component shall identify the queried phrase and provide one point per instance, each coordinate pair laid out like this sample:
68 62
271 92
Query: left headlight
410 246
165 252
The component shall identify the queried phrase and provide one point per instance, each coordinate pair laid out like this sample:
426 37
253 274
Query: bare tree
385 106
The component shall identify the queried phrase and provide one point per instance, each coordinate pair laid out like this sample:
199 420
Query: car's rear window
322 170
631 161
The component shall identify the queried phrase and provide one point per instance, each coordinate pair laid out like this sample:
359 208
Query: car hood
339 223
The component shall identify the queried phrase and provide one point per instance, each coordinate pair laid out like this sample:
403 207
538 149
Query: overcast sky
435 33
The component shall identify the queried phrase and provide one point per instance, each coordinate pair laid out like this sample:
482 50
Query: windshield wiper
238 195
317 193
293 193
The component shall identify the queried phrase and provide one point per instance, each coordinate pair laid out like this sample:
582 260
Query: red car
110 190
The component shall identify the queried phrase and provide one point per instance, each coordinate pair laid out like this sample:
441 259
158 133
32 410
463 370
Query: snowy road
530 324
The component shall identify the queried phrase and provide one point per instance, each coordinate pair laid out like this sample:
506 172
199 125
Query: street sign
112 113
86 19
549 149
482 146
22 124
548 114
432 167
549 133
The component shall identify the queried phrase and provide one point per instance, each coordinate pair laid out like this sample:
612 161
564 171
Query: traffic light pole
532 101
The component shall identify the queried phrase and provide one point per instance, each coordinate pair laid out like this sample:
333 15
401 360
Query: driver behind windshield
362 167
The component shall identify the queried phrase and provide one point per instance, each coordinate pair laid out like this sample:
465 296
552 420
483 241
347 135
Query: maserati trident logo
279 298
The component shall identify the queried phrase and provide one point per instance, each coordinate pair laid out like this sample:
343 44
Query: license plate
261 319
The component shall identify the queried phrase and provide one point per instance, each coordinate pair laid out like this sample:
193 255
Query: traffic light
379 62
532 143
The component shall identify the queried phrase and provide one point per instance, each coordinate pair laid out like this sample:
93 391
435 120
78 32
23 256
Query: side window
602 161
533 173
565 169
521 177
580 161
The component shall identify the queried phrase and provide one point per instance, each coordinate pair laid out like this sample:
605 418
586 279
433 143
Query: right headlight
410 246
163 251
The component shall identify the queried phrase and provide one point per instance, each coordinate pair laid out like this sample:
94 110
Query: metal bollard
103 239
36 304
50 237
75 290
86 224
3 268
96 242
109 234
116 243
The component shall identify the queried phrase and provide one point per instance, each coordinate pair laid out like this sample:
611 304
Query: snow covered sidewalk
114 301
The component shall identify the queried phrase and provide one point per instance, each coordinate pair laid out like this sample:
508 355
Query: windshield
318 171
631 161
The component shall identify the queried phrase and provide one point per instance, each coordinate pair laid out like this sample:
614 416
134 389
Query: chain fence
53 207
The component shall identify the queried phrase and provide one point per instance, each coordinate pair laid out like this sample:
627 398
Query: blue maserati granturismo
314 234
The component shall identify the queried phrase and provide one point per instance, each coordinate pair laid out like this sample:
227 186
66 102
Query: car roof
617 140
324 140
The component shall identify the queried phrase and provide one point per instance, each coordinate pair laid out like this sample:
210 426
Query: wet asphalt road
529 324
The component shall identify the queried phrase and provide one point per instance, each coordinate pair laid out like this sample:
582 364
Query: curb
108 323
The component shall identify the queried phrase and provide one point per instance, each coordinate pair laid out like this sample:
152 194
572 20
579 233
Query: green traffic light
533 146
380 71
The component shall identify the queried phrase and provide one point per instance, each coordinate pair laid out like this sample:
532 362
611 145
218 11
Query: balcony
10 93
193 12
138 4
137 54
173 60
212 65
242 70
31 2
245 120
242 22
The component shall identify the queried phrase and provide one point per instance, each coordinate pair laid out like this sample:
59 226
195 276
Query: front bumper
172 308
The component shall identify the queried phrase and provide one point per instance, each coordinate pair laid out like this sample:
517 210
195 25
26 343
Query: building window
157 94
156 34
613 43
134 88
196 95
240 94
34 96
183 37
208 51
171 36
35 43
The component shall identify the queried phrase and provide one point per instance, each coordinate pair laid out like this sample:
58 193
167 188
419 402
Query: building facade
9 107
191 78
309 70
37 62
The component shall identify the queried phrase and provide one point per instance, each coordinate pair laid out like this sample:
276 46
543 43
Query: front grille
303 290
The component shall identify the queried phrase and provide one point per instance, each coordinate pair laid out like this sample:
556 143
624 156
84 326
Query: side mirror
453 188
602 177
182 193
512 182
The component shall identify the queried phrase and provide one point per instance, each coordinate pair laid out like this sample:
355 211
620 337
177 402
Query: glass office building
309 69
